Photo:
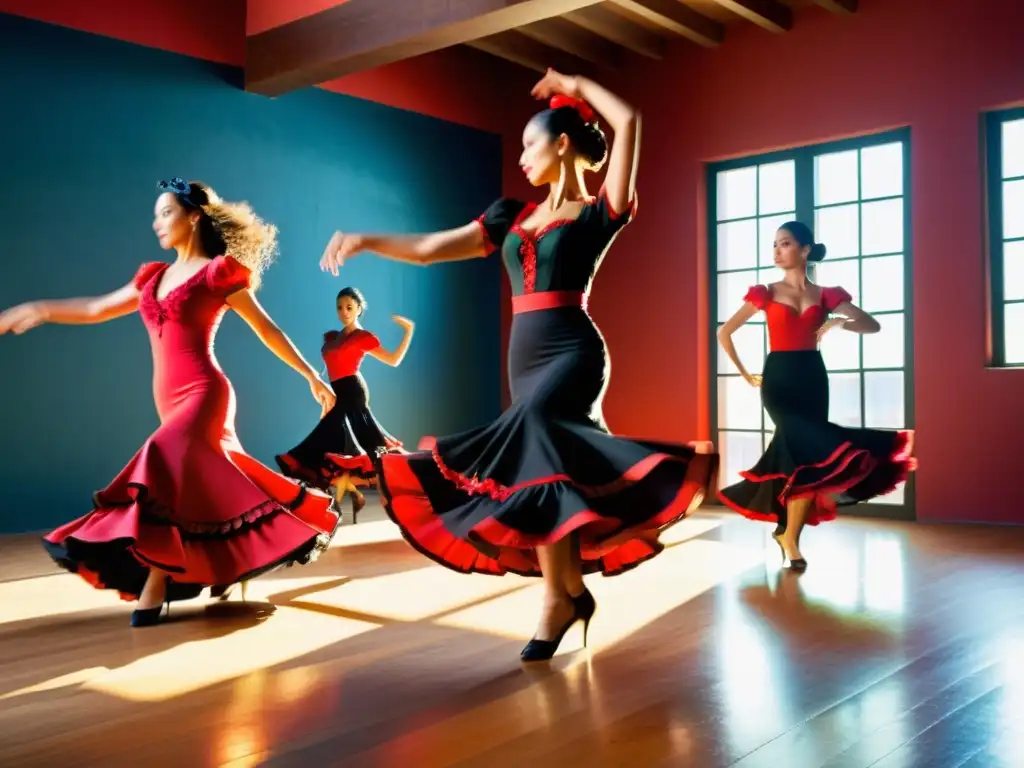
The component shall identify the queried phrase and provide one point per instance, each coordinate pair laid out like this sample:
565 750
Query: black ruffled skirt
483 500
345 439
809 456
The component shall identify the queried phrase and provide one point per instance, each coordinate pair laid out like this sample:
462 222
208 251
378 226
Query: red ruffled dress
192 502
809 456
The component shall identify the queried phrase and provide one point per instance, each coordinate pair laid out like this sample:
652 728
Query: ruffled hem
608 544
845 470
115 545
359 465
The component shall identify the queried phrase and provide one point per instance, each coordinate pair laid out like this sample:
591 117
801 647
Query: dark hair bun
592 144
818 251
587 138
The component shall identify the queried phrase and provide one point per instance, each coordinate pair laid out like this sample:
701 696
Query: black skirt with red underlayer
547 468
345 439
809 457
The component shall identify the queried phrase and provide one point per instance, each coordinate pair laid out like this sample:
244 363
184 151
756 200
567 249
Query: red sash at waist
532 302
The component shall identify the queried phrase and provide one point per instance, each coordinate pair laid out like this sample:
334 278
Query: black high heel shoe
584 607
149 617
800 564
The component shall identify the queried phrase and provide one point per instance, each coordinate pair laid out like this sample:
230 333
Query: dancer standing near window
191 509
811 464
545 490
338 452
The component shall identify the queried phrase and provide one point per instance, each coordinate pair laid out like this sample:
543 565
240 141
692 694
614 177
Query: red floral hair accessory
585 110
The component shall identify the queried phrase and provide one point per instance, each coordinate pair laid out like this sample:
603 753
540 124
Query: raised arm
734 323
250 310
395 358
624 120
465 242
620 180
81 311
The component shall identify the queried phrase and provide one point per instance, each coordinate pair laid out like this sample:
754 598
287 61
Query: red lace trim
501 492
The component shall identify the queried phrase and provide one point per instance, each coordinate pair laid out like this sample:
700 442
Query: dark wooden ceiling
570 35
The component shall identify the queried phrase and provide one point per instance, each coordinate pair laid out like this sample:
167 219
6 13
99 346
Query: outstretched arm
733 324
620 181
81 311
246 305
395 358
465 242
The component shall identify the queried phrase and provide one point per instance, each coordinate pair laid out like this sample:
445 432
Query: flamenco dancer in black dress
545 489
811 464
336 454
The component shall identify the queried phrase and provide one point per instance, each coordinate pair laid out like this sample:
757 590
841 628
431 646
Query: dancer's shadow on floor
112 643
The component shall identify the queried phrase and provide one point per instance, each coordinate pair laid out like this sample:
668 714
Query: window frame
992 142
803 158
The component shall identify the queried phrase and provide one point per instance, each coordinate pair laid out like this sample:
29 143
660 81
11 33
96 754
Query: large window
854 194
1005 149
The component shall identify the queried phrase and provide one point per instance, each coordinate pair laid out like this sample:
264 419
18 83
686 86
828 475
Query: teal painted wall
90 125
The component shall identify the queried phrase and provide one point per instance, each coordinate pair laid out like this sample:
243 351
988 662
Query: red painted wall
931 64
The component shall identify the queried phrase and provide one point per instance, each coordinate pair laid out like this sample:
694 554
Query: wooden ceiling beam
768 14
678 18
566 36
839 6
362 34
519 49
612 26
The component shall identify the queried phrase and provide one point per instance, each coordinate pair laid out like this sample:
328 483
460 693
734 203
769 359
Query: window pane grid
1005 161
870 199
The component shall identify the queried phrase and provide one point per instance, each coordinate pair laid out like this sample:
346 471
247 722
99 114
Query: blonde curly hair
231 228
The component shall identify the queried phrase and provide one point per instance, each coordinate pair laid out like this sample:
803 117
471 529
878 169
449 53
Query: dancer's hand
832 322
553 83
405 322
23 317
340 247
753 379
323 395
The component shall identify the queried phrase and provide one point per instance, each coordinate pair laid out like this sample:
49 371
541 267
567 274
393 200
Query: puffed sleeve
497 220
226 276
612 221
833 297
759 296
147 272
368 341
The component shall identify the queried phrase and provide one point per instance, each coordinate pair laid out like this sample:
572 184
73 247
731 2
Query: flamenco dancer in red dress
191 509
811 464
349 431
545 490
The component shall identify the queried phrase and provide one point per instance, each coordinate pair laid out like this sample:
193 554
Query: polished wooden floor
902 645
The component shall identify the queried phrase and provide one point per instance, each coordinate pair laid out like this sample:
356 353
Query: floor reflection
900 645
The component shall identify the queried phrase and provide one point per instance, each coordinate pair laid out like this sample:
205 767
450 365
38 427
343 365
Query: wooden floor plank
898 647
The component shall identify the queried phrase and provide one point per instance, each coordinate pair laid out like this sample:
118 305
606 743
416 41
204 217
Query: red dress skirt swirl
482 501
192 502
809 456
349 435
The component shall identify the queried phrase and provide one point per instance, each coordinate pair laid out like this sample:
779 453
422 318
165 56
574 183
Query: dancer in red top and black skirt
811 464
191 509
340 447
545 489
